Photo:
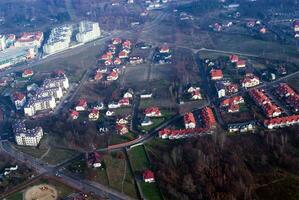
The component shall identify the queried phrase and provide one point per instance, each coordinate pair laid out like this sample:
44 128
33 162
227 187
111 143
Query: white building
59 40
19 100
27 137
88 31
38 104
2 42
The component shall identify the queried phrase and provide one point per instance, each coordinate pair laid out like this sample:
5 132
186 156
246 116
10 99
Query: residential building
94 114
233 58
116 41
281 122
241 64
164 49
2 42
27 137
27 73
146 121
261 99
122 129
124 102
19 100
152 112
12 56
216 74
74 114
93 159
82 105
208 117
189 121
242 127
112 76
30 39
232 101
250 80
36 104
148 176
195 93
59 39
220 89
290 96
88 31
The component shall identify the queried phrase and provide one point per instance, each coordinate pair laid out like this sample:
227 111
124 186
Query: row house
152 112
181 134
189 121
233 100
208 117
261 99
281 122
291 97
250 80
27 137
242 127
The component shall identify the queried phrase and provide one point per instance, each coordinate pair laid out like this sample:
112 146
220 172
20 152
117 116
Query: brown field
41 192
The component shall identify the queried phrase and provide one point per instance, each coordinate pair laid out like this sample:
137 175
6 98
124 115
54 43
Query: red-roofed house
124 102
152 112
112 76
232 108
19 99
82 105
232 88
216 74
27 73
281 122
74 114
94 114
108 62
189 121
208 117
250 80
116 41
117 61
30 39
123 54
233 58
148 176
127 44
164 49
122 129
241 64
232 101
98 76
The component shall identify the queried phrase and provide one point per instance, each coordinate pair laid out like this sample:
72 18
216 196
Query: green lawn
138 158
117 139
150 191
16 196
56 156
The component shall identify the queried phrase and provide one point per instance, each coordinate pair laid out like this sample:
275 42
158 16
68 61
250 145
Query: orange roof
216 73
18 96
189 118
233 58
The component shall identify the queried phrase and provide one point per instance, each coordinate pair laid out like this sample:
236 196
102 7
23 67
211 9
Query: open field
43 191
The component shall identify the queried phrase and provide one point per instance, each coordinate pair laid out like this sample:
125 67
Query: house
250 80
98 76
112 76
94 114
216 74
164 49
113 105
146 95
241 64
263 30
19 100
122 129
110 113
27 73
152 112
233 108
189 121
148 176
127 44
232 101
123 54
232 88
107 56
124 102
284 90
242 127
146 121
122 121
117 61
128 94
195 93
136 60
112 47
108 62
93 159
233 58
220 88
82 105
116 41
281 122
99 106
74 114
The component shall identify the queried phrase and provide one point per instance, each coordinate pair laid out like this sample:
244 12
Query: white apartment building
59 39
38 104
56 92
88 31
27 137
60 81
2 42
